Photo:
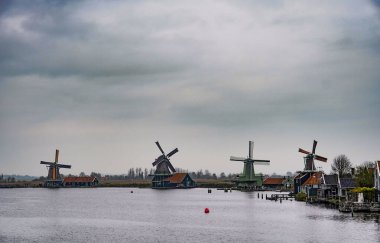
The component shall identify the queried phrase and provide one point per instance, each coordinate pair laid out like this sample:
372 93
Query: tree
341 165
364 175
96 175
82 174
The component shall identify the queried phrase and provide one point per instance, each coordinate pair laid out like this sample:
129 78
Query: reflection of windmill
309 158
248 180
164 167
54 178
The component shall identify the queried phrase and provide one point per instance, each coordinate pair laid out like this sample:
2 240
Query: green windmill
248 180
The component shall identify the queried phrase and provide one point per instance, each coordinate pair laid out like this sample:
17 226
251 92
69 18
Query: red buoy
207 210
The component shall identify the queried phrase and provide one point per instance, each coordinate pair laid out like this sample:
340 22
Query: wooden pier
275 197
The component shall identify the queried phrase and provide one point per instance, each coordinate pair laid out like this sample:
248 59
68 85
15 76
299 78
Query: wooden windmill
162 163
248 180
310 157
54 178
164 169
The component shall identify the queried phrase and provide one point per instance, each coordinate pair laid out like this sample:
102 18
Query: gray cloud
95 77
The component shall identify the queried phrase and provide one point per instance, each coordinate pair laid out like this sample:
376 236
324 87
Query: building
273 183
377 179
299 180
345 185
81 181
312 184
329 187
176 180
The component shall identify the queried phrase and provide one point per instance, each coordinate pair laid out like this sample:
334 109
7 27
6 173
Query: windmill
54 178
309 158
164 167
248 180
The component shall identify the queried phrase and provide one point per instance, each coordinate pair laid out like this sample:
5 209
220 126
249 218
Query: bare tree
341 165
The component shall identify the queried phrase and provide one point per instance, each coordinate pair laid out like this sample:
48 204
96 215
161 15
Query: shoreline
201 183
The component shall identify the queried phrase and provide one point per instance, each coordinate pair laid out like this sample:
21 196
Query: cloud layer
103 80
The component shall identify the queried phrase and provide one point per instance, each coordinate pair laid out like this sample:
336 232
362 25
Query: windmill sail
310 157
162 163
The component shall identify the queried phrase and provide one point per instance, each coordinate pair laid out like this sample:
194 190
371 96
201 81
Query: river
146 215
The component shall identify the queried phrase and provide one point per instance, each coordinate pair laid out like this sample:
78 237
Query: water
146 215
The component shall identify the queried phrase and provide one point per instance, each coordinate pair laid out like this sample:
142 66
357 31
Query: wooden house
312 184
275 183
345 185
81 181
329 187
299 180
176 180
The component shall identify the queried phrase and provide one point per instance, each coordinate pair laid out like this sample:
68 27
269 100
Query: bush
301 196
363 189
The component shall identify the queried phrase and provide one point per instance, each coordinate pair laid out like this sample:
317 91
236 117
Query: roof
79 179
314 179
274 181
298 176
176 178
301 174
330 179
347 182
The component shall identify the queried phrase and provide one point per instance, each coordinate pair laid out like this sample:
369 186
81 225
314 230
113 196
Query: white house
377 178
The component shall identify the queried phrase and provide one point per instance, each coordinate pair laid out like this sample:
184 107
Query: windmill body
54 178
248 180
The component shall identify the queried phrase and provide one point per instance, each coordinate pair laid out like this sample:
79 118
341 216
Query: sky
103 80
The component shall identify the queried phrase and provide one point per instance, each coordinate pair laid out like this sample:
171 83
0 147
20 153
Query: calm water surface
146 215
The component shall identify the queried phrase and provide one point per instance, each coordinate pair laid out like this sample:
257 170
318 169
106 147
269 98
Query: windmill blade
303 151
172 152
46 163
250 149
64 166
233 158
170 166
320 158
261 162
158 160
159 147
314 146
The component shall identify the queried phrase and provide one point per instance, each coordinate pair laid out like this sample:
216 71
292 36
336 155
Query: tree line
144 174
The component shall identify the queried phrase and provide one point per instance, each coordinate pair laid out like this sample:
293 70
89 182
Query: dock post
262 196
258 195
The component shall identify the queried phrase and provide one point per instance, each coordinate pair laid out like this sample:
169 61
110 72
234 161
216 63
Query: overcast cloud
103 80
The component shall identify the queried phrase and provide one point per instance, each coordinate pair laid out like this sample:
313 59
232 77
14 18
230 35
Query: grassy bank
125 183
21 184
211 183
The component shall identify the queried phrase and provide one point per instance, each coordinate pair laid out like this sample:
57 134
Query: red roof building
277 183
314 179
176 180
80 181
